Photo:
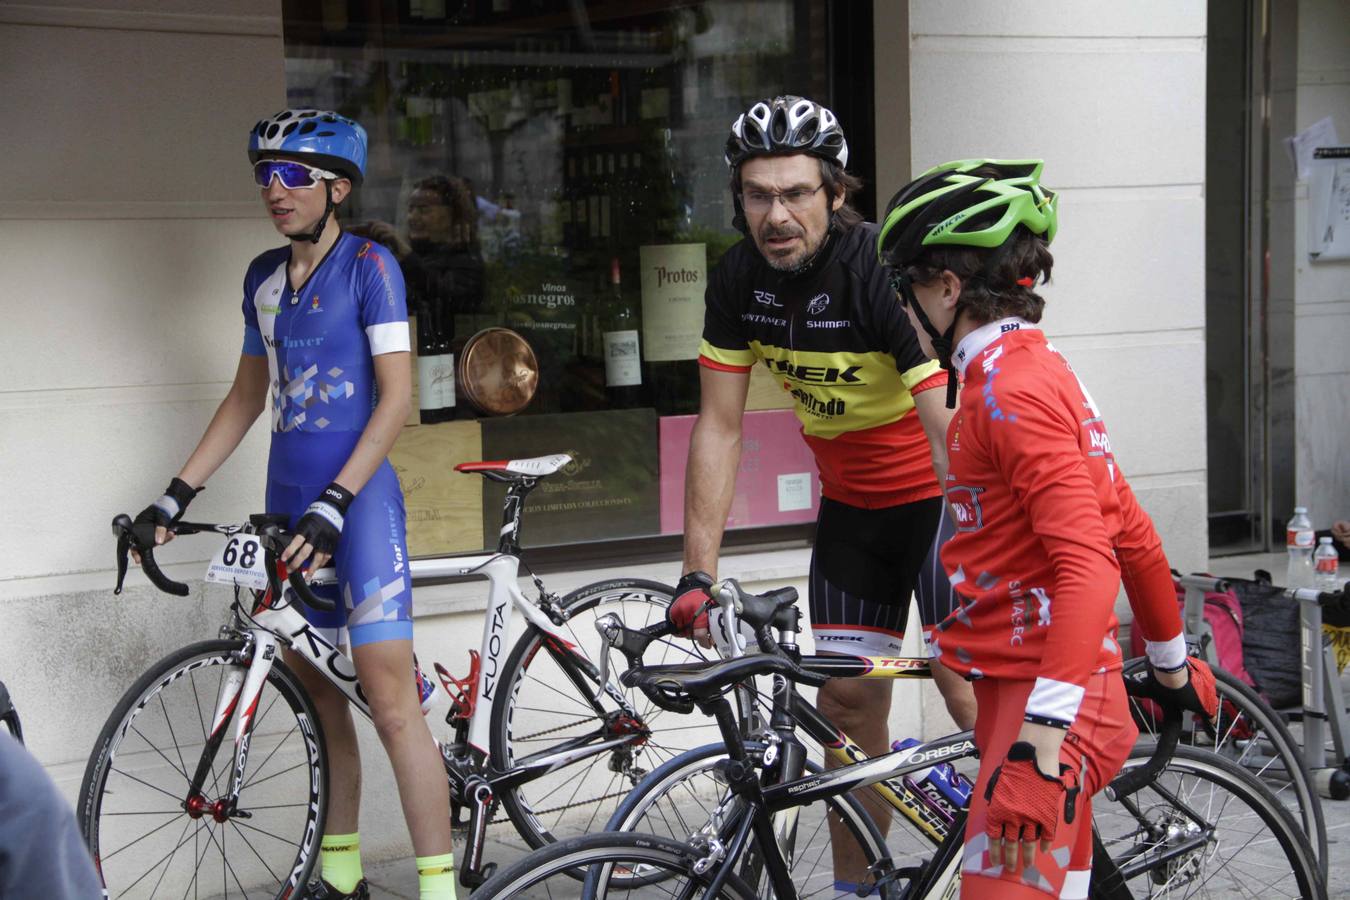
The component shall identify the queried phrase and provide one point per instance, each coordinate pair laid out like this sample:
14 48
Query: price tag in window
240 561
794 491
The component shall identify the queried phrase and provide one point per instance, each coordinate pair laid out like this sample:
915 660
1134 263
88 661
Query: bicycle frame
274 626
769 808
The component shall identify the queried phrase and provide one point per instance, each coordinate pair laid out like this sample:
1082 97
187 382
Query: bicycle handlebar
1132 780
141 538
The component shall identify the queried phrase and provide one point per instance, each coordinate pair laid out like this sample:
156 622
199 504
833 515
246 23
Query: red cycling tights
1096 747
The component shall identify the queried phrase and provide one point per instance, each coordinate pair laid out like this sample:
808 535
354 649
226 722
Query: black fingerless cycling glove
169 508
321 525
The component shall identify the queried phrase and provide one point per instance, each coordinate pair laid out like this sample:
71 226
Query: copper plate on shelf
498 372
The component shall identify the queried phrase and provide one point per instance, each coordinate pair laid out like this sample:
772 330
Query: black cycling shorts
865 566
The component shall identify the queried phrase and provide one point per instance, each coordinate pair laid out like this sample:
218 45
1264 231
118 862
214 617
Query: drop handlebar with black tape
269 529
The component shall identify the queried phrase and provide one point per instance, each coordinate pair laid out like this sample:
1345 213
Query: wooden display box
445 507
610 489
414 414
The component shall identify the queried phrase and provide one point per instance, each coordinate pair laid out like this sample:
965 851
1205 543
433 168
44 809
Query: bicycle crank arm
473 872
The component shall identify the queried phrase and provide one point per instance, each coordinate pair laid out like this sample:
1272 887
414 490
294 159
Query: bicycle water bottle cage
463 692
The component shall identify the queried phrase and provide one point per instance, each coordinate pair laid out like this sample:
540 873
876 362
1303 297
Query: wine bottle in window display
428 362
445 368
622 346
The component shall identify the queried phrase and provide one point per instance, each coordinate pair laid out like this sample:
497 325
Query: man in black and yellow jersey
806 297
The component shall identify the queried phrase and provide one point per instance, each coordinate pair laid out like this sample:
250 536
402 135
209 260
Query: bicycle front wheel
550 702
1206 827
1251 734
688 796
609 864
151 838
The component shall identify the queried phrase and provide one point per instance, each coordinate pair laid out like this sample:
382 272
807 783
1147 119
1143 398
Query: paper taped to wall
1329 204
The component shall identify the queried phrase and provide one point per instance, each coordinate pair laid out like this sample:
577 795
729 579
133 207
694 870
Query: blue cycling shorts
374 590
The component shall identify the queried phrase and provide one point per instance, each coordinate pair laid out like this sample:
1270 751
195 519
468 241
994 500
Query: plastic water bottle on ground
1300 543
1326 566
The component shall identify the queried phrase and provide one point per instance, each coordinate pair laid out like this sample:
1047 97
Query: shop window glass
555 168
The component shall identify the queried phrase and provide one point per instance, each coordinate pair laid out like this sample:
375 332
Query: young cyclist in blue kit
326 339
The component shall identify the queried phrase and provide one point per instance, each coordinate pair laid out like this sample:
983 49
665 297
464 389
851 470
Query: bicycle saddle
517 469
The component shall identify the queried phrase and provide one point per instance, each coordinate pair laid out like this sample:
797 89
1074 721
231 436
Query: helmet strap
328 207
943 342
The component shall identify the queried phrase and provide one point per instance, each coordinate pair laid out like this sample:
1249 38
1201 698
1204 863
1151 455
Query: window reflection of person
443 263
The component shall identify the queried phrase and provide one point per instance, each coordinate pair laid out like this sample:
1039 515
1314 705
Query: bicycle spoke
156 863
608 789
580 780
251 827
243 837
226 867
153 787
183 771
823 823
569 697
168 720
263 765
174 852
303 764
556 712
300 805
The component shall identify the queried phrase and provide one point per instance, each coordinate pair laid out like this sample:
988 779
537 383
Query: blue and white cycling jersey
320 342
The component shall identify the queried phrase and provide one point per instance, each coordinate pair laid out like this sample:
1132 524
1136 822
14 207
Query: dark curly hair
458 197
989 278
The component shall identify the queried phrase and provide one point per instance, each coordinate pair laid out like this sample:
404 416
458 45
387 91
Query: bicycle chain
537 734
501 817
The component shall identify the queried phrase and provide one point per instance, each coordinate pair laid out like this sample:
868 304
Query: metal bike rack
1323 699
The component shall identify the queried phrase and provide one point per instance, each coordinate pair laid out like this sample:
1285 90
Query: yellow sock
436 877
340 857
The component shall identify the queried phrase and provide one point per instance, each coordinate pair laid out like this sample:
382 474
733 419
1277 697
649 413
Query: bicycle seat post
512 509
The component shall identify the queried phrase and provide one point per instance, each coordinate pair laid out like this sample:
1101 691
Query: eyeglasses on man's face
795 200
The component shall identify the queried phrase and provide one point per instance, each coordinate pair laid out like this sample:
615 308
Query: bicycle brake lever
123 551
610 628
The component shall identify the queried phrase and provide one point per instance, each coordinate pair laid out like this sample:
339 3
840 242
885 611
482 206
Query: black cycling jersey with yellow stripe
837 339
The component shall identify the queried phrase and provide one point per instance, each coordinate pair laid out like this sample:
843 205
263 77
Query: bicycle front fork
237 699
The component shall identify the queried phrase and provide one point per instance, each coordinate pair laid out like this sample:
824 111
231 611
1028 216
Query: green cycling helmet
970 202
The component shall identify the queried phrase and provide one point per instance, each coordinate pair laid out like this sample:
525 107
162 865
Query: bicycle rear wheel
538 710
1251 734
1205 828
607 863
134 807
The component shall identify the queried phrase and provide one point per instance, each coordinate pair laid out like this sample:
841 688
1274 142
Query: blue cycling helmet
324 139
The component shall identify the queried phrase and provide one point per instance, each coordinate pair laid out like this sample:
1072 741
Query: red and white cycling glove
1025 803
689 610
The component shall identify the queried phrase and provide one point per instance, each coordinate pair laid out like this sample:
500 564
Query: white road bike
542 732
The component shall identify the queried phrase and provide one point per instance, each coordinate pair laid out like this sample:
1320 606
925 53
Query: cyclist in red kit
1046 530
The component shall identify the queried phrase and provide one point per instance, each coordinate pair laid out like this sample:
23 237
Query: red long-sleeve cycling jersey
1047 529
